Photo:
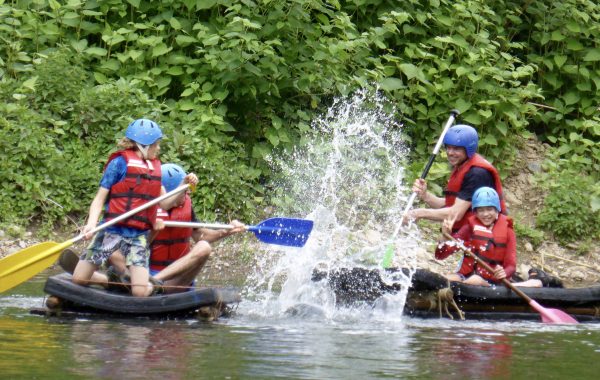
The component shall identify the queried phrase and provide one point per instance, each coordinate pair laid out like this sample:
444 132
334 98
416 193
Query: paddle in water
282 231
21 266
548 315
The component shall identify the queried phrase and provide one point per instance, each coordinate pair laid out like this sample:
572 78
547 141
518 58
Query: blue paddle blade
283 231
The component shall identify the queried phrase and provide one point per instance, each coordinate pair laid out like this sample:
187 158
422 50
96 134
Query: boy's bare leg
476 280
140 287
84 273
183 271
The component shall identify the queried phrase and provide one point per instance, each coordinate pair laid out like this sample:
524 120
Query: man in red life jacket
470 171
174 261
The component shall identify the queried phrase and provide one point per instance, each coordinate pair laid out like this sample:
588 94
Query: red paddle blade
552 315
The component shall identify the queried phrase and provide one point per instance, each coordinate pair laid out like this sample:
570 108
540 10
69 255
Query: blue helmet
485 196
172 176
143 131
463 135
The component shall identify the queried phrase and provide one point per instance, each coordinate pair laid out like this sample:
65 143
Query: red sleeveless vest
140 185
490 246
456 179
171 243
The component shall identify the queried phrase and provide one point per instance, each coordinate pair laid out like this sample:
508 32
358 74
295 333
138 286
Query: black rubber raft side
360 285
83 298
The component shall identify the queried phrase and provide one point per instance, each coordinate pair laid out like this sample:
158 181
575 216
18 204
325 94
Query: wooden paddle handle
487 267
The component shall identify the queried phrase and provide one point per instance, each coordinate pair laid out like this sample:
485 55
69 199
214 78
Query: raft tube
360 285
68 296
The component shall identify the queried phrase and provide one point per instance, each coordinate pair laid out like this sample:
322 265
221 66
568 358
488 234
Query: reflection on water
243 346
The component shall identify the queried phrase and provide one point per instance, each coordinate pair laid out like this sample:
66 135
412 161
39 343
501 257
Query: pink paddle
548 315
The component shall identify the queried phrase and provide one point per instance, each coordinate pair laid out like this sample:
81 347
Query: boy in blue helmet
132 177
175 262
470 171
490 235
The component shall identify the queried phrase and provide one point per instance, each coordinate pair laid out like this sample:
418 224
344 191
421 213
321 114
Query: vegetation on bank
231 81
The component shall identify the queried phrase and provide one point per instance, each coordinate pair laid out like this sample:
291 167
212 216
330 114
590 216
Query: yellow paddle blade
21 266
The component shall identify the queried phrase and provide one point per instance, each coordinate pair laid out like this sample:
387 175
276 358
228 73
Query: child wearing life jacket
131 178
174 260
490 235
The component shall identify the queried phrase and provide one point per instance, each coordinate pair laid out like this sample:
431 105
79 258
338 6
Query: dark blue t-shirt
475 178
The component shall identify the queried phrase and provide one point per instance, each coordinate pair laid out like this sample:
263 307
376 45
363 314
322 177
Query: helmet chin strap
143 149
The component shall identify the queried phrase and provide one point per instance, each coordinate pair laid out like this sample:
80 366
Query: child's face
153 150
487 215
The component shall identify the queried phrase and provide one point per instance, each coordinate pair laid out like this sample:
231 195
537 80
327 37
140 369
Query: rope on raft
445 297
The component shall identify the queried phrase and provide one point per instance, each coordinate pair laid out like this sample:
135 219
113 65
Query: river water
348 177
308 344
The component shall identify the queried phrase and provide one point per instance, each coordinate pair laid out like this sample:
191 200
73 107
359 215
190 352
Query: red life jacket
171 243
490 246
456 180
140 185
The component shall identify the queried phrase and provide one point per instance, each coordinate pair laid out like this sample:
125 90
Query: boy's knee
80 280
201 250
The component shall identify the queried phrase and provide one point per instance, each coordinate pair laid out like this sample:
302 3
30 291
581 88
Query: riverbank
233 258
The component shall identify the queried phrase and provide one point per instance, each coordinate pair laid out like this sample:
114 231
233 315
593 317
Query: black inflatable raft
66 297
428 290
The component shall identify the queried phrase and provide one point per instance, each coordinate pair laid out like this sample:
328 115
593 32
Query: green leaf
411 71
183 40
175 24
560 60
211 40
490 140
97 51
186 92
391 84
592 55
80 45
205 4
571 97
160 49
134 3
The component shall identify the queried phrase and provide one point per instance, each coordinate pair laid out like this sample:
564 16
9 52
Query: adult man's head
461 143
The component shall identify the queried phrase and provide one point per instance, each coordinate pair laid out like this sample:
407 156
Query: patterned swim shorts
135 250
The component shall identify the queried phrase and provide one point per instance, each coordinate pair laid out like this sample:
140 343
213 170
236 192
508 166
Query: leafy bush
566 211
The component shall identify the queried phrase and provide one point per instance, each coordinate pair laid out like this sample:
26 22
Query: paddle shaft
548 315
216 226
487 267
59 247
134 211
212 226
453 114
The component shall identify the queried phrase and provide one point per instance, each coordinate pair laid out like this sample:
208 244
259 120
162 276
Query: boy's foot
116 282
68 260
158 286
547 280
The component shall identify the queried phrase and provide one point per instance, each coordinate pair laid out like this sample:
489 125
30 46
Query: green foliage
566 212
232 81
562 39
536 237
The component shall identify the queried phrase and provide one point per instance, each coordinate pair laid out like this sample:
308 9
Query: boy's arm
95 211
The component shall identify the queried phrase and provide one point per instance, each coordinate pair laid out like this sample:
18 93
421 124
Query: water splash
349 179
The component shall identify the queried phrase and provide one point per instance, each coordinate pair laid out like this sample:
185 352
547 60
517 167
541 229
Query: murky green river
349 344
